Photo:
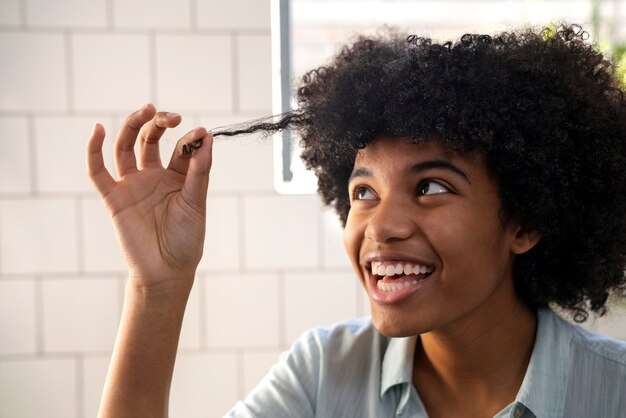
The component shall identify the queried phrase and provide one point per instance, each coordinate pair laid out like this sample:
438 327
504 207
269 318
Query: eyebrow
416 168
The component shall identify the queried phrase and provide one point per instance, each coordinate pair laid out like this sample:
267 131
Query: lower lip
396 296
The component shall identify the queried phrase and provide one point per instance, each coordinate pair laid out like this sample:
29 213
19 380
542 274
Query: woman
481 183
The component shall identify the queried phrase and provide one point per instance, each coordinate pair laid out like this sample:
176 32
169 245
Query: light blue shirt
350 370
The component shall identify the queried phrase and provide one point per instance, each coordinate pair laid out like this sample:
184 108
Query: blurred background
274 264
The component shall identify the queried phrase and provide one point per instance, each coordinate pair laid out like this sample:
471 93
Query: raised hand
158 213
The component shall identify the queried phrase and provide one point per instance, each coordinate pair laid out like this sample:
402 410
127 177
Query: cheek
469 242
352 239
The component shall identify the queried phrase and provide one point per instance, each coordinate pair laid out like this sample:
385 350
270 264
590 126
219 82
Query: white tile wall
194 72
151 14
17 317
26 84
318 299
269 259
80 315
234 14
38 236
333 253
15 155
111 72
203 385
10 12
60 149
281 231
255 72
38 388
94 374
222 241
101 252
190 335
242 163
66 13
242 311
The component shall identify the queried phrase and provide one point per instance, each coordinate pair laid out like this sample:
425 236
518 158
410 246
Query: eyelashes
424 188
363 193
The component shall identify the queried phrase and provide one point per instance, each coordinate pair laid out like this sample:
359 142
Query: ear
526 237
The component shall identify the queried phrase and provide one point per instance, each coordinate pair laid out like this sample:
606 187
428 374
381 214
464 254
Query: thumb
197 180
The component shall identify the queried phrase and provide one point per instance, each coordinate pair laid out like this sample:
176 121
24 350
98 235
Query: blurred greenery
617 50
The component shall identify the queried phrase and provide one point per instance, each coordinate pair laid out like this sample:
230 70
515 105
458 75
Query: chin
396 326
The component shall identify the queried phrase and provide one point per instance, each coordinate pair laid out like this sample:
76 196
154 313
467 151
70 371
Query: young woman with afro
482 186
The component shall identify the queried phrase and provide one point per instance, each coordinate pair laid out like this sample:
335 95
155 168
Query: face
425 236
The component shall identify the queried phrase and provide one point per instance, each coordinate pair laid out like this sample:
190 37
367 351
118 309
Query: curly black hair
544 107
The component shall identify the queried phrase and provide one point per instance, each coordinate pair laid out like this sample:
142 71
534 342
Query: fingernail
172 115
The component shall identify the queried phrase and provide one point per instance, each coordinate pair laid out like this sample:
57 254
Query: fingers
196 166
125 142
149 135
98 173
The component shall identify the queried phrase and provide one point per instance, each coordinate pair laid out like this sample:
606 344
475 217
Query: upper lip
372 256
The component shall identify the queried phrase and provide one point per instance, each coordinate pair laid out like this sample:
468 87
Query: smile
392 276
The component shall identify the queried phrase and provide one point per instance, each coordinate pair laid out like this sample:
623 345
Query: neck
484 357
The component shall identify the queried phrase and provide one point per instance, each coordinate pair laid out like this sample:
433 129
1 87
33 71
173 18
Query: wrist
170 290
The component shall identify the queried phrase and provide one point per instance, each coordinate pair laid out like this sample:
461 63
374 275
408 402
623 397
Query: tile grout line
202 310
193 15
23 14
109 16
242 231
1 271
39 317
80 386
32 142
69 72
282 324
80 244
152 50
109 29
240 374
234 48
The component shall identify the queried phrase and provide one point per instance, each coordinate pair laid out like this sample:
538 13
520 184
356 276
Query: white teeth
394 287
380 268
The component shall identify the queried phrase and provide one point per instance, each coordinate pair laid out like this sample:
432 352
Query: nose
391 220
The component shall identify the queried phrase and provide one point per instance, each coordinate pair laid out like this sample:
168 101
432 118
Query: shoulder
349 331
585 342
596 372
343 339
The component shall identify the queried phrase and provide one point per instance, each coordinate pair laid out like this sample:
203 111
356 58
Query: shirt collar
544 385
545 382
397 365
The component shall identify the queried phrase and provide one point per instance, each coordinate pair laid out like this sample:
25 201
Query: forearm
142 364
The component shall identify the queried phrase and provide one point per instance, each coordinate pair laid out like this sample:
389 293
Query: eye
363 193
430 187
